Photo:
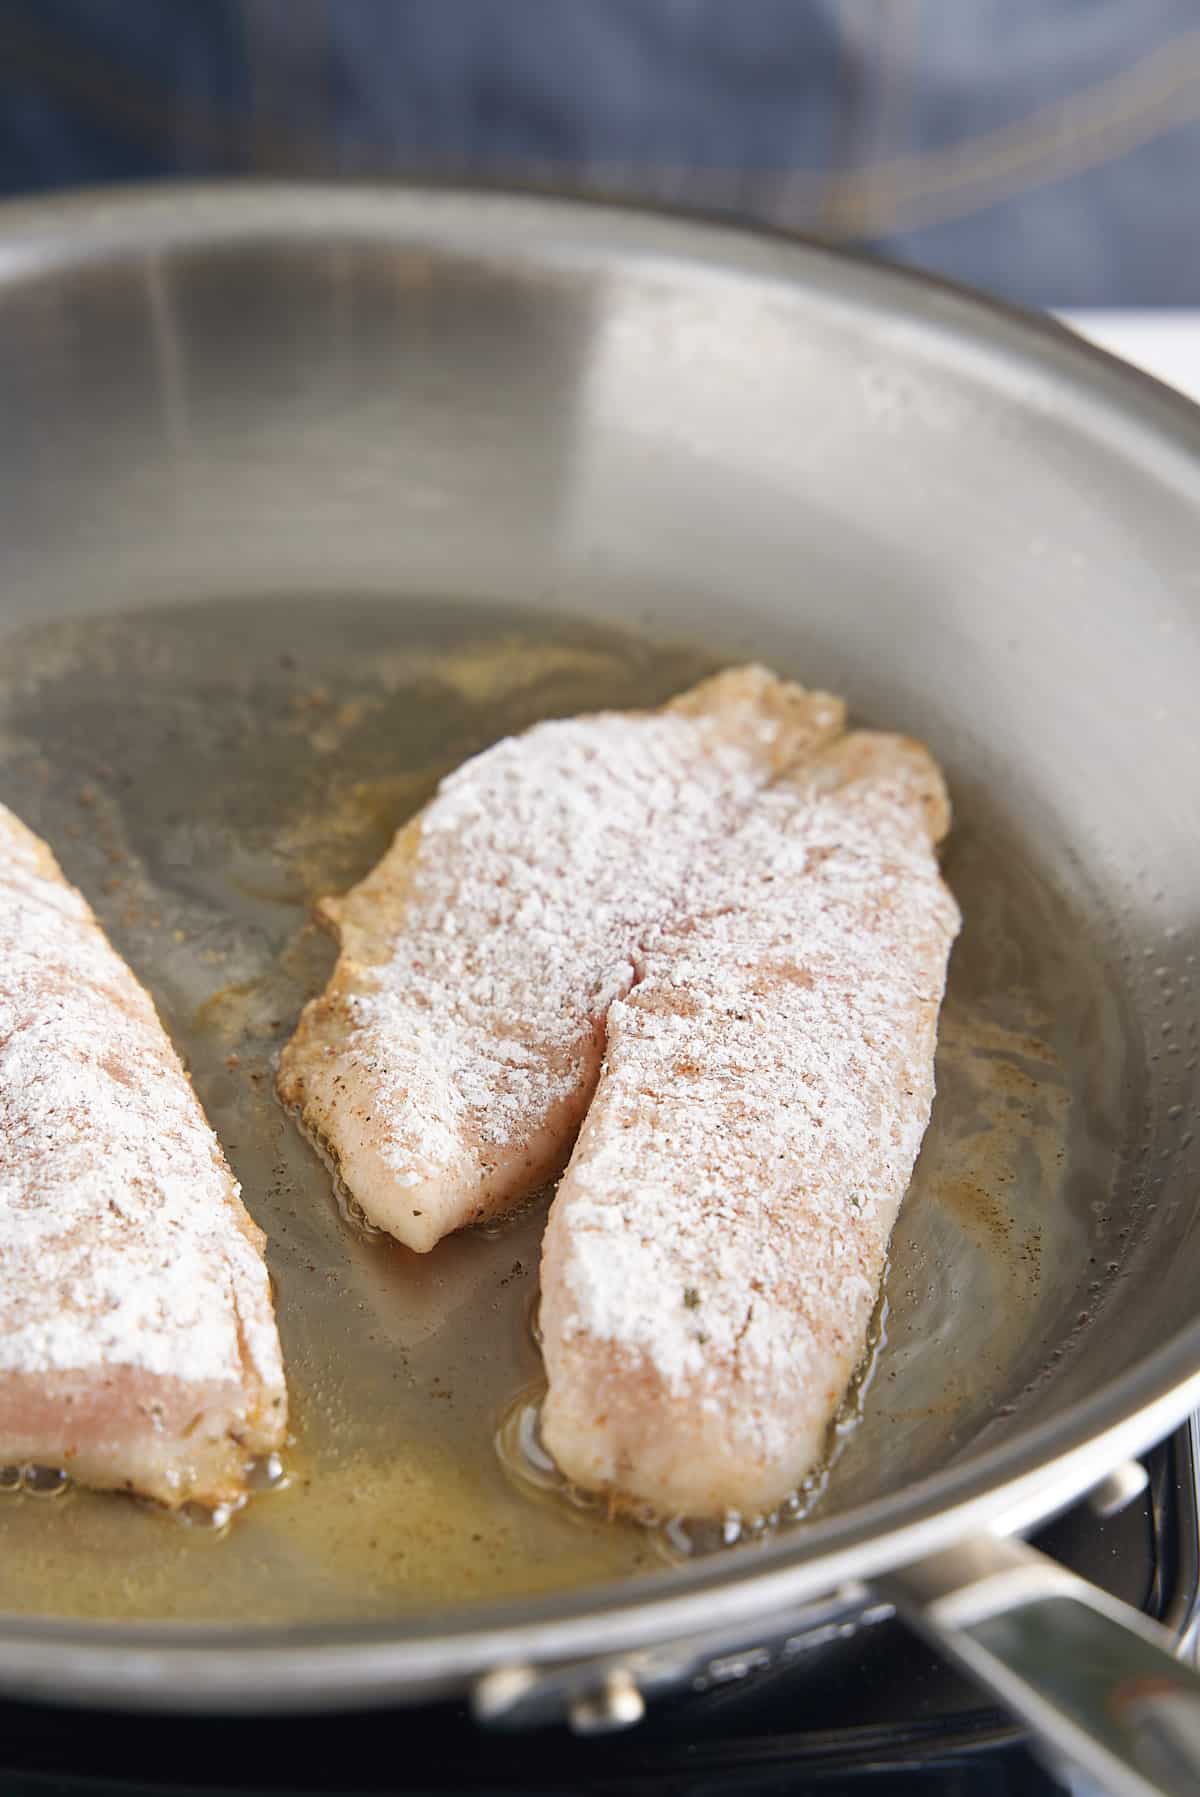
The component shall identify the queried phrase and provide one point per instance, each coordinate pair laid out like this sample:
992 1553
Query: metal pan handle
1096 1682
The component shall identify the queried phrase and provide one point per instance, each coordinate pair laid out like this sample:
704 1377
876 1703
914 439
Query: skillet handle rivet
1119 1488
500 1694
615 1704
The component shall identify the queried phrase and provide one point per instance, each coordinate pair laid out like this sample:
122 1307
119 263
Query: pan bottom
203 773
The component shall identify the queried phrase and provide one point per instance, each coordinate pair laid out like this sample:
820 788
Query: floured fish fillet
447 1065
138 1347
717 1244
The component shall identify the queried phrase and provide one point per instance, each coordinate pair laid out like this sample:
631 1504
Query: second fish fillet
717 1243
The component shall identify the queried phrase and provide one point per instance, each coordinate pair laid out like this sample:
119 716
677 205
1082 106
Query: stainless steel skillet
333 456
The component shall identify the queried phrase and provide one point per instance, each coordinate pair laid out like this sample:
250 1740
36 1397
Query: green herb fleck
691 1298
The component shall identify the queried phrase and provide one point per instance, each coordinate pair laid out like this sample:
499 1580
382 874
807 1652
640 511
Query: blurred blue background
1048 150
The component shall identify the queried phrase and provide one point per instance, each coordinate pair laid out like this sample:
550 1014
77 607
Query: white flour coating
122 1242
538 867
545 839
723 1224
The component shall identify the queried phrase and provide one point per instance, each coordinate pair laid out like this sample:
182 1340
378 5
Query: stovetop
870 1710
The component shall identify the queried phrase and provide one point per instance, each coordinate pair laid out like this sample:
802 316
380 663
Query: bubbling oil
265 1473
35 1481
529 1464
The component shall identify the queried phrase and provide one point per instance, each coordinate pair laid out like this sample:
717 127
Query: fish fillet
448 1063
138 1347
717 1244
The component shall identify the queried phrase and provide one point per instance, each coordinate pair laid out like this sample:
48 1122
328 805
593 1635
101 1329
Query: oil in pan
203 774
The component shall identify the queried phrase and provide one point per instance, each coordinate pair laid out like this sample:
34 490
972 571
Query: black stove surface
873 1711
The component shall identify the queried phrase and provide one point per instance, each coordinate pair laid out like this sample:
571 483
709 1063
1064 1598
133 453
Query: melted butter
1012 1111
266 797
234 802
425 1522
322 852
528 1463
495 673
